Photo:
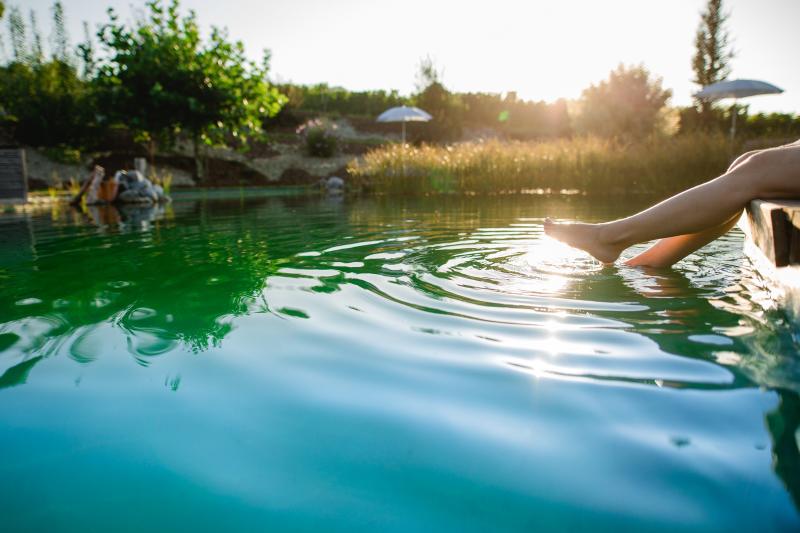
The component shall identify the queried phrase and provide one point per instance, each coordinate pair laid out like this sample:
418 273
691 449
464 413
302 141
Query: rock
334 185
135 188
44 172
133 197
162 197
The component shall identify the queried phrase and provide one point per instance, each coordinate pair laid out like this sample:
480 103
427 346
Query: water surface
286 363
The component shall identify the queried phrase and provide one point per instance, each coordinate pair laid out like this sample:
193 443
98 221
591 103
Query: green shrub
320 137
48 104
322 98
63 154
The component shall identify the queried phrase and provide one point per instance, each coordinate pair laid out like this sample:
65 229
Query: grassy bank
590 165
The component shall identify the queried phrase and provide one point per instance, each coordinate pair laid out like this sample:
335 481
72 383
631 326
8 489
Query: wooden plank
774 226
773 233
13 175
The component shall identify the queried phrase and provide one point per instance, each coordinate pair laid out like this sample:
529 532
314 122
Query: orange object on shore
107 191
97 173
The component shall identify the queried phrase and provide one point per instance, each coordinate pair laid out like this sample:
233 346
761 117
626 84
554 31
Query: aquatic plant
587 164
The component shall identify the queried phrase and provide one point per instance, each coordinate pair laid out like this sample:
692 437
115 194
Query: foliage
321 139
45 101
322 98
777 126
513 117
36 50
590 164
772 125
711 60
86 52
693 119
163 178
428 74
446 110
629 104
16 31
48 104
160 78
60 38
63 154
445 107
505 115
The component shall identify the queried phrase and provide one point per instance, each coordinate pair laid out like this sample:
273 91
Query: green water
288 364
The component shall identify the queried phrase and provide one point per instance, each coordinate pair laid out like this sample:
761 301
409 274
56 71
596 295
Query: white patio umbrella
736 89
404 114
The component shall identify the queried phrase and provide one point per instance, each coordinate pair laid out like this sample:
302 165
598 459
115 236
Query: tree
711 61
59 39
629 104
16 29
47 103
86 53
2 10
428 74
37 52
445 107
161 79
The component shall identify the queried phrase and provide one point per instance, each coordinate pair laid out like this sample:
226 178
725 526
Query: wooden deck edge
773 242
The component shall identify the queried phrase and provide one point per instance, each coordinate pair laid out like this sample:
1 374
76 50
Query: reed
163 178
74 186
590 165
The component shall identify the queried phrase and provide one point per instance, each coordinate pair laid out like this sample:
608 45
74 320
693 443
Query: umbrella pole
403 150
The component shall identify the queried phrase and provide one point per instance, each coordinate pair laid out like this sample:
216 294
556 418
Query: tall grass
163 178
74 186
591 165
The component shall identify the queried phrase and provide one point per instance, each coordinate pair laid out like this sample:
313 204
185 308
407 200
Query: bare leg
772 173
667 252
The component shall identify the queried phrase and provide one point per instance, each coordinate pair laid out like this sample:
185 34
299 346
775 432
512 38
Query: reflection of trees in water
177 282
468 212
17 374
784 424
182 281
668 293
757 347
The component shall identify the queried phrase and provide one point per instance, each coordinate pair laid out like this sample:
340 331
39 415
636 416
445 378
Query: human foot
587 237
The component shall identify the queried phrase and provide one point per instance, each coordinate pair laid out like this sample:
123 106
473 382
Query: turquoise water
287 364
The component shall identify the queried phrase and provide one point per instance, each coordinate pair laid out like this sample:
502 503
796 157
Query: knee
747 176
759 161
741 159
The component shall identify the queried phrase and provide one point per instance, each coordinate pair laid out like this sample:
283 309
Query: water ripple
317 361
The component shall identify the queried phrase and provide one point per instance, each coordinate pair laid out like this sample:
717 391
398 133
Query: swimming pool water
293 363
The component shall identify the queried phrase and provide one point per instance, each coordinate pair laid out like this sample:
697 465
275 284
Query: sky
543 50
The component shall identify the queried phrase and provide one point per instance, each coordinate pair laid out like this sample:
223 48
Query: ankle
610 234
